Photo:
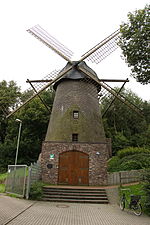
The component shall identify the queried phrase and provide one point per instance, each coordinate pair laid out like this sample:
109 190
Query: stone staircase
71 194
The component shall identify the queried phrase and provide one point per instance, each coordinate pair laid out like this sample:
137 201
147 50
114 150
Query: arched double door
73 168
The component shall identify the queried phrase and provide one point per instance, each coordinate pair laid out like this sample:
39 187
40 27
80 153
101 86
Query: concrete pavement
21 212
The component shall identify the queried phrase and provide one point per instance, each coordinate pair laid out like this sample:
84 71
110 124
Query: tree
134 42
9 98
146 188
35 117
123 125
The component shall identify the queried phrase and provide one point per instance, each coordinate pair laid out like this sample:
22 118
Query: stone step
77 200
71 194
75 197
82 188
73 191
45 188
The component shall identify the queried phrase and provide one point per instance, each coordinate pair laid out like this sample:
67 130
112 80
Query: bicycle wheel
122 204
137 209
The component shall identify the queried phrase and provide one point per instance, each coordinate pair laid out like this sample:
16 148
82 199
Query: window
75 114
74 137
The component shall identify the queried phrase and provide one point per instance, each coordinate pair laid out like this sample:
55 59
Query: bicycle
134 203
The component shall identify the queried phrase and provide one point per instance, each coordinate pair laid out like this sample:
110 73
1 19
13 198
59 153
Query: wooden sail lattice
103 49
51 42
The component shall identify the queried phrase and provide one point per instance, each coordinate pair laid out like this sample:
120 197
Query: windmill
75 150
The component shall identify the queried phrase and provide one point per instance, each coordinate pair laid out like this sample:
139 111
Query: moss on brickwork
66 125
81 96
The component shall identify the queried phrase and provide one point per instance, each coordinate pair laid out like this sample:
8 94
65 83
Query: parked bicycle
134 203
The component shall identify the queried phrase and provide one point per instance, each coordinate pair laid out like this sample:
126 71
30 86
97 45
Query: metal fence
21 177
124 177
16 179
34 175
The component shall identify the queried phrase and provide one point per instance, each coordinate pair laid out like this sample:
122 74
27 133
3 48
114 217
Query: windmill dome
75 74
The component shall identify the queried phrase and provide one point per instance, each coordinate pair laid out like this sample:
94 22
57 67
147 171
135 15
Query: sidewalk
11 207
21 212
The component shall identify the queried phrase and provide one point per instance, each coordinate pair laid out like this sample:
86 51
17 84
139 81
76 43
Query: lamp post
18 141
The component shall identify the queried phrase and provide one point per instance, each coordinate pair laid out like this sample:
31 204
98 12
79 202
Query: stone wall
98 156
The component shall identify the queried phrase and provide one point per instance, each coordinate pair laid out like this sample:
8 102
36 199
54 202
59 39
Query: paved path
21 212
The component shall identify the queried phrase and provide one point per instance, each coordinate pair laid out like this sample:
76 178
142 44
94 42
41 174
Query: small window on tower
75 114
74 137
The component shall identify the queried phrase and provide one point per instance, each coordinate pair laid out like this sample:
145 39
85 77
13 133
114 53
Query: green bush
36 191
2 188
119 142
130 162
142 160
132 151
146 188
113 164
131 165
3 177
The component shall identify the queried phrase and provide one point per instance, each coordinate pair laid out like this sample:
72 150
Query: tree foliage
9 96
132 151
35 117
134 42
124 126
130 159
146 188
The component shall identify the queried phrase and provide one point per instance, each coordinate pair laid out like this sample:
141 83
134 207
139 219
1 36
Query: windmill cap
75 74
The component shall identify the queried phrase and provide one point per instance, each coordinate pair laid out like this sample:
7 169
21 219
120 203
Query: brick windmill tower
75 135
75 150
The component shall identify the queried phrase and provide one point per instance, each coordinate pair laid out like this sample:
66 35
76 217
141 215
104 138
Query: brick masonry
76 92
98 156
76 95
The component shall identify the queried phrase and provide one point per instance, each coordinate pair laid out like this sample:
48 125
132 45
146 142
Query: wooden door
73 168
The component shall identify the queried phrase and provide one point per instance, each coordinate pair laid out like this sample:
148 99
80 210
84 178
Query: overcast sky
79 25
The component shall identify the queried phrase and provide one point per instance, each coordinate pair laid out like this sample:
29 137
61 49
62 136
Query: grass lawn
2 188
2 181
133 190
3 176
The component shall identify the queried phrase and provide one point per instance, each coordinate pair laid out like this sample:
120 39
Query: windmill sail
103 49
51 42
